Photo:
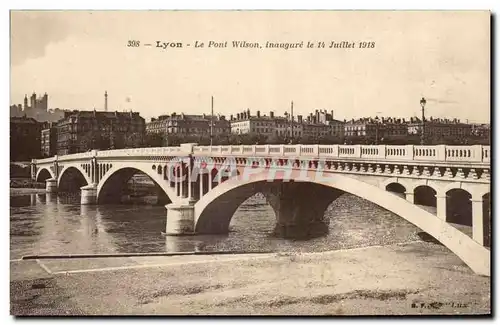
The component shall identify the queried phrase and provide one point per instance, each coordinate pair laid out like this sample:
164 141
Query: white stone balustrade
407 153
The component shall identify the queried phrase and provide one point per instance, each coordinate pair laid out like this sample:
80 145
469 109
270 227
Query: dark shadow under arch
396 189
459 207
121 188
424 195
304 202
43 175
71 180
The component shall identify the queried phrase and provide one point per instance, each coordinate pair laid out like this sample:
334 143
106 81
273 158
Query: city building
81 131
481 130
377 129
24 138
192 125
318 125
48 140
438 129
321 124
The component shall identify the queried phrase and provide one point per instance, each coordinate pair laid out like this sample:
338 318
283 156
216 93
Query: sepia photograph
250 162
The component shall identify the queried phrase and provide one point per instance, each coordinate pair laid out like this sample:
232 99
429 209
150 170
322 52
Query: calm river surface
51 224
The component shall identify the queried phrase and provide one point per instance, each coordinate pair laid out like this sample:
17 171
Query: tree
153 140
134 140
274 139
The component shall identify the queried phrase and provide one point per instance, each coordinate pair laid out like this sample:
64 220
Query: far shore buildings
24 138
440 129
80 131
188 124
377 129
316 125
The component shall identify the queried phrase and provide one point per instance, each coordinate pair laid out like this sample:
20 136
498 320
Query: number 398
133 43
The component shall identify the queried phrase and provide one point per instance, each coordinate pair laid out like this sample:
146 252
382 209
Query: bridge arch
118 176
43 174
472 253
396 188
71 179
459 206
425 195
401 181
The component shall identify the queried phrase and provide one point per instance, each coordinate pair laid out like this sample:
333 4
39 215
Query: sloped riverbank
411 278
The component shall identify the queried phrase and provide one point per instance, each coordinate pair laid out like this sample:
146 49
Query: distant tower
106 101
45 102
33 100
25 102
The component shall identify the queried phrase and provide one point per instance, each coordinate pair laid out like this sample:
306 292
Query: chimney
231 117
258 113
237 116
332 113
271 114
248 113
299 118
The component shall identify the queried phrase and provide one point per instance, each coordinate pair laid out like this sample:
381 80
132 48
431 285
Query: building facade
440 129
377 129
24 138
189 125
320 124
482 131
80 131
48 140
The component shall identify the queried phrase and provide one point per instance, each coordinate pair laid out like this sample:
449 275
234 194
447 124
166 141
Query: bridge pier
410 197
89 194
180 218
441 206
51 185
300 208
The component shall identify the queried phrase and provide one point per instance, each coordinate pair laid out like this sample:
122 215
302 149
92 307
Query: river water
58 224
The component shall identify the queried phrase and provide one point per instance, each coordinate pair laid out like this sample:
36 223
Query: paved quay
411 278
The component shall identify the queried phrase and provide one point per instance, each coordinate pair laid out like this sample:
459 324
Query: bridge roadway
206 184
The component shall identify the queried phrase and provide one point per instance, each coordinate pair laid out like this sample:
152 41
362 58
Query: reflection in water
58 224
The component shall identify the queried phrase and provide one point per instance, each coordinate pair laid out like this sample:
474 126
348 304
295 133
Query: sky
75 56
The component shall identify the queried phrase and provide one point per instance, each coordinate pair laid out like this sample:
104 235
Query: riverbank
26 191
411 278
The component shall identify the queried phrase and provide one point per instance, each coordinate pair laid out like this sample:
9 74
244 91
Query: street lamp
422 135
376 127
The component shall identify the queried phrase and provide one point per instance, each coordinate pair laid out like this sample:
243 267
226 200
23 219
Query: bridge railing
76 156
141 152
486 153
44 160
476 153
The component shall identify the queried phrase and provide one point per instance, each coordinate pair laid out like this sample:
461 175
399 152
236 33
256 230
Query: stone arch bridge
206 184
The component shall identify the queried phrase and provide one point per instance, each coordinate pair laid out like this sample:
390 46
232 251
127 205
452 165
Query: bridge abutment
180 218
51 185
88 194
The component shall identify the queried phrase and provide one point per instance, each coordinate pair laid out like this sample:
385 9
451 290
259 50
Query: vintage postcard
250 163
